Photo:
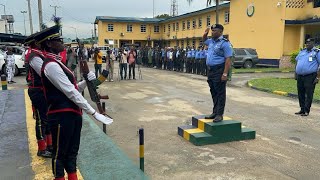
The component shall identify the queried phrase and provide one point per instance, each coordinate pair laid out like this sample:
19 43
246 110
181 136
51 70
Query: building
275 28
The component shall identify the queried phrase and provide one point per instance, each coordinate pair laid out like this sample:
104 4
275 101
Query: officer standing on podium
307 71
218 62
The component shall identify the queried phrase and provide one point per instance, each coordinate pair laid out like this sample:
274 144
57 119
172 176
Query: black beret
48 34
217 26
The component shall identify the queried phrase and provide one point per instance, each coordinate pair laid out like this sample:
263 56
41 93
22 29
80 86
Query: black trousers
40 112
66 129
306 88
217 88
123 67
132 68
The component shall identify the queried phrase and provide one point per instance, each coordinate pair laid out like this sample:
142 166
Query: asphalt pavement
286 146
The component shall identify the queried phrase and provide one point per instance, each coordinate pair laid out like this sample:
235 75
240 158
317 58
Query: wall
291 39
306 12
263 31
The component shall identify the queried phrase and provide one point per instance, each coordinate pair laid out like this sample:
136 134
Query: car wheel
248 64
16 71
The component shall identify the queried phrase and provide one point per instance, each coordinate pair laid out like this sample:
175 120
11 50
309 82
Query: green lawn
286 85
261 69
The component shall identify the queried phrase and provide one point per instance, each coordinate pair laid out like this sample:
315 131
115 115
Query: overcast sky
80 13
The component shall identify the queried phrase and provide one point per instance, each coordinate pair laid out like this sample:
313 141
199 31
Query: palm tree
209 3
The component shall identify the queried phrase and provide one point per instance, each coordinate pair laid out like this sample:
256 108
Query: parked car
19 60
245 57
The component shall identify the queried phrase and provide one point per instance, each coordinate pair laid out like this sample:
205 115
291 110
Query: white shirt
60 80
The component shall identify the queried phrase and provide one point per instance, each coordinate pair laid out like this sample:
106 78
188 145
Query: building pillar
132 41
302 35
152 43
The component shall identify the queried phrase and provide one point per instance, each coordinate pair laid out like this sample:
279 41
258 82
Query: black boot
299 113
211 116
218 118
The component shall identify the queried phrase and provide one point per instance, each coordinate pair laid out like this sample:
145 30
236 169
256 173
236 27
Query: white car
19 60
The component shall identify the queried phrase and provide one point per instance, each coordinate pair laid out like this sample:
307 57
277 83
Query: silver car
245 57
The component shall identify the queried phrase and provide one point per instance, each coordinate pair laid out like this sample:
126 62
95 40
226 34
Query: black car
245 57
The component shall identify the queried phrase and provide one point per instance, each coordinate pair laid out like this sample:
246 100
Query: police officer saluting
218 62
308 75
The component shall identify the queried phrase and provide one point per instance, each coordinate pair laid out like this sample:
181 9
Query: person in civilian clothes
132 63
123 64
64 104
308 75
218 62
34 59
10 65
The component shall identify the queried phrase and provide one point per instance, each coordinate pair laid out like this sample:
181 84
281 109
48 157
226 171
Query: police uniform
34 60
193 61
306 71
65 105
218 50
196 62
202 65
189 60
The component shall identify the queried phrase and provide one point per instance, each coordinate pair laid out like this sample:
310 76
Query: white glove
91 76
102 118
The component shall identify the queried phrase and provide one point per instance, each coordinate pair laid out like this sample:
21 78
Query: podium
204 131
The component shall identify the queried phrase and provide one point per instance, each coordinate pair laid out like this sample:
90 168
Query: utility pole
30 17
95 33
40 14
55 9
24 22
217 11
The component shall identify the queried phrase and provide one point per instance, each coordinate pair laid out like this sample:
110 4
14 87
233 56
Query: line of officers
189 60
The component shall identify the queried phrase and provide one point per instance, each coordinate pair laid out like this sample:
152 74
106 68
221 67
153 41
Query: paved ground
286 147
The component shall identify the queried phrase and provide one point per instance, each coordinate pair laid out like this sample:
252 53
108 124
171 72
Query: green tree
163 16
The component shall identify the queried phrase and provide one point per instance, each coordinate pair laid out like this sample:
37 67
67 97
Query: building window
143 28
164 28
182 43
169 27
183 25
174 27
110 27
129 27
177 26
188 24
156 28
316 3
208 20
194 24
226 17
200 22
193 43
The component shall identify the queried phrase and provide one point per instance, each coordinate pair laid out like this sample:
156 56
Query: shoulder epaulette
225 39
316 49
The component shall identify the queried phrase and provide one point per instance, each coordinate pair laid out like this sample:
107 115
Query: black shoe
218 118
305 114
299 113
45 154
211 116
10 82
13 82
50 149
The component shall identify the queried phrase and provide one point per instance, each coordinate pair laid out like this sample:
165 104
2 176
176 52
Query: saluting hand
207 30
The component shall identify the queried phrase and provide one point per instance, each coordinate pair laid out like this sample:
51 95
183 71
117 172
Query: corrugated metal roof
156 20
127 19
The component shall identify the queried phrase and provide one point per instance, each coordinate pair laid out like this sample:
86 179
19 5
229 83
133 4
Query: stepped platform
204 131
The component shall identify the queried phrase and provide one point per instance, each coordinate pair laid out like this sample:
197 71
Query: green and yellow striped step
204 131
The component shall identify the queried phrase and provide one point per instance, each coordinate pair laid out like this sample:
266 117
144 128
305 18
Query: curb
281 93
262 72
